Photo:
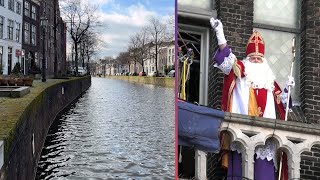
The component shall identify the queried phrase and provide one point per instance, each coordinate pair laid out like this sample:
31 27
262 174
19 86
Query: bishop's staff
288 99
289 87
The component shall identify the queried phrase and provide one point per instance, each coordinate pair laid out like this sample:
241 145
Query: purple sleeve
221 54
290 100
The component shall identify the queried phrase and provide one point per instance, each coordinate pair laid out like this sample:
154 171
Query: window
18 9
33 12
33 34
27 33
172 59
1 2
1 26
277 30
11 5
26 8
1 59
9 59
10 29
202 4
18 28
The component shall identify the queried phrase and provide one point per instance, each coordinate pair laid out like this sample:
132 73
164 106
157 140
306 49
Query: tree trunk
156 43
88 70
76 56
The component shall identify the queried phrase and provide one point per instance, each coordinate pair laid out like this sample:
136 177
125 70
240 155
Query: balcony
294 138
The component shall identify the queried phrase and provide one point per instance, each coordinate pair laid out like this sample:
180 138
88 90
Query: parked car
160 75
171 73
153 74
142 74
82 71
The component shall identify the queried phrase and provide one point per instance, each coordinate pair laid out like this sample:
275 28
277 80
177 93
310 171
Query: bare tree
157 32
124 59
133 50
89 47
80 19
142 38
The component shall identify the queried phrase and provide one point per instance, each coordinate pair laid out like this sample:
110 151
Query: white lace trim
227 64
254 85
269 151
235 146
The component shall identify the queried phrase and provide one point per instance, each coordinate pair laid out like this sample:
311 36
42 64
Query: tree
91 45
123 59
157 32
80 18
133 51
142 38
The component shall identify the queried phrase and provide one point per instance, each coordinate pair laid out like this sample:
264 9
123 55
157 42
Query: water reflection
117 130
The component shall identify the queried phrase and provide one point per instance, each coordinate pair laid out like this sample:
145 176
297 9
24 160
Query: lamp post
44 23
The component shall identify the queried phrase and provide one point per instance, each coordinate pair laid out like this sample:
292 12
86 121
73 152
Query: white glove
290 82
218 28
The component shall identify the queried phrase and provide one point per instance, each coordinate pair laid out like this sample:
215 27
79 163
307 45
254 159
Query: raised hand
218 28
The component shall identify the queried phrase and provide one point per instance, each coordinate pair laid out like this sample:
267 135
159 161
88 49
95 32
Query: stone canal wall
24 123
158 81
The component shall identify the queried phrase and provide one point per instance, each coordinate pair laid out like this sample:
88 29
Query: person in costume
249 88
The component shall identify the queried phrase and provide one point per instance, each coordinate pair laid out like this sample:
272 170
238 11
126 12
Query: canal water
116 130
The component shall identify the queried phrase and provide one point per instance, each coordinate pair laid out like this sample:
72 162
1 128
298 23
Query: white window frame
204 59
18 30
10 29
11 5
33 35
33 12
2 27
26 29
26 9
201 156
18 8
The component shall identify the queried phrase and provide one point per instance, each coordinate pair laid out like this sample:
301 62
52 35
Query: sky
123 18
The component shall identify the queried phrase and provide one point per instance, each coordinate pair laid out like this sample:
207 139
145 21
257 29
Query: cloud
120 20
137 16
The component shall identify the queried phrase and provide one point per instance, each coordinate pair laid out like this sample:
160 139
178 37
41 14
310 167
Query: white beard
259 75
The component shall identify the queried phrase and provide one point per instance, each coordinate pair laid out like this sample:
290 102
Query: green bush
17 69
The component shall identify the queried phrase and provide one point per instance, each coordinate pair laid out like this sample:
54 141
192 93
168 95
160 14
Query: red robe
229 84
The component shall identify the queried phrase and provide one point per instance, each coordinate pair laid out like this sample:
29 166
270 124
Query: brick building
278 22
49 9
30 36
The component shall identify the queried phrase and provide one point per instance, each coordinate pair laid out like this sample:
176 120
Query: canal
116 130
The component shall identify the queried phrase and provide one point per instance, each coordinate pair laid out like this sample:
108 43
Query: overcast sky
122 18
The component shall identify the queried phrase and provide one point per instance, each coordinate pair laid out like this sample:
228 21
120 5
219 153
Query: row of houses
22 33
165 61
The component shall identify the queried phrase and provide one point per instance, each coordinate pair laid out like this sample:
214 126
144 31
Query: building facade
10 34
21 36
31 37
165 59
278 22
55 54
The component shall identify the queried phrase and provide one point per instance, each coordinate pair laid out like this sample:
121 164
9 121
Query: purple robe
234 166
264 169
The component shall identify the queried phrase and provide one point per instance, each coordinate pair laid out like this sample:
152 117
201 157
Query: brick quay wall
158 81
25 121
